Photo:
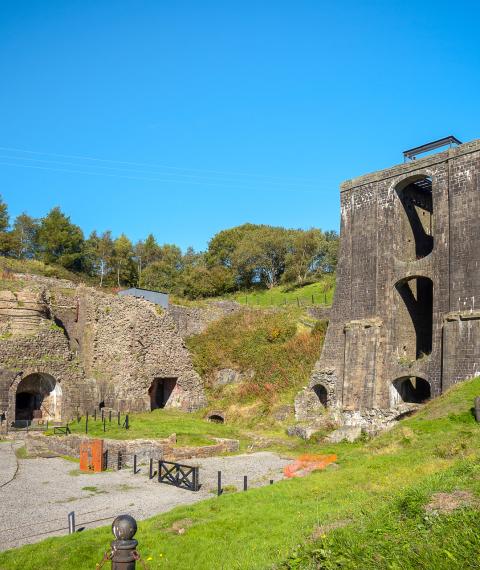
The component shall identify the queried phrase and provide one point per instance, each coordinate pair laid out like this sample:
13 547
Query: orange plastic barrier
307 463
91 455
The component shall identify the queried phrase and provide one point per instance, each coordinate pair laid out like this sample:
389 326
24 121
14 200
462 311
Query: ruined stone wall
97 347
194 320
407 281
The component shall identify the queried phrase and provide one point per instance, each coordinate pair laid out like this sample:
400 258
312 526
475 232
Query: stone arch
322 394
413 317
414 217
410 389
36 395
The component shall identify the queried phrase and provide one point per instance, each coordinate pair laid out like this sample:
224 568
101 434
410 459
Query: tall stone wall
404 324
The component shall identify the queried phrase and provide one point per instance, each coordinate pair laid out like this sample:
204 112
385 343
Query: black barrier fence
179 475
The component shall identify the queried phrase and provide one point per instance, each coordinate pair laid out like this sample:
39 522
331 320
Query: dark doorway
36 397
414 219
160 391
321 393
414 317
25 405
412 390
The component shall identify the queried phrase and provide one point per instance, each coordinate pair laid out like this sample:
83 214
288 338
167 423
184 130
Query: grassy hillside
34 267
385 505
275 349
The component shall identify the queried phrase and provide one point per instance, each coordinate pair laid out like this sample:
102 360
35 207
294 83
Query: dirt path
38 497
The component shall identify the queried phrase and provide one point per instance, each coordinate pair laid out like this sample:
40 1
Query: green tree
60 241
125 269
25 236
164 274
98 255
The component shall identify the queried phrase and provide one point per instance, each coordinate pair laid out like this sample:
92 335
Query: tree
25 236
60 241
165 273
146 252
123 261
5 237
98 255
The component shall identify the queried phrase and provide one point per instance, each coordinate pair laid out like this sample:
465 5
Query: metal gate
178 475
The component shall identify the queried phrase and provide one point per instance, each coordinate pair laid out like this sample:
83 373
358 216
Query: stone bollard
476 405
124 547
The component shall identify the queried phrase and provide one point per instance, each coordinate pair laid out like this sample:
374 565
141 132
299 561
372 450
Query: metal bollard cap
124 527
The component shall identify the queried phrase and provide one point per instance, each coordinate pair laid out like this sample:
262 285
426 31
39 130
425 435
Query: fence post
150 469
219 483
118 418
104 425
313 300
71 522
245 483
159 470
95 414
124 547
105 459
271 481
298 302
119 461
134 464
110 417
86 423
127 423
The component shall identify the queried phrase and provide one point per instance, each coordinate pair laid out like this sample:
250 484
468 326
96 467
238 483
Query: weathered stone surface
345 433
405 321
94 347
194 320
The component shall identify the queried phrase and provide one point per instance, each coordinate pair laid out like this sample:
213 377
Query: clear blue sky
215 113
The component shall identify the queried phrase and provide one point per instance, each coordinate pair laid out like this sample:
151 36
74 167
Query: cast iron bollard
476 404
124 547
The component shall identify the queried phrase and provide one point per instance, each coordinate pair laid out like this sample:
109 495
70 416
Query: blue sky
184 118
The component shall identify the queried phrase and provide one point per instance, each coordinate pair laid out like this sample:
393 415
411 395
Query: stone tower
405 322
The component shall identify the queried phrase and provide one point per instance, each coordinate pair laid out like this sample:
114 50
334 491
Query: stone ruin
405 321
66 350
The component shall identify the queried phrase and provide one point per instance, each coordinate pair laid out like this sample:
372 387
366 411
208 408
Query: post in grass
219 483
86 423
245 483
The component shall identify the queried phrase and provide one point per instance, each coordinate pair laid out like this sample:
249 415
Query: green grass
34 267
191 429
319 293
368 512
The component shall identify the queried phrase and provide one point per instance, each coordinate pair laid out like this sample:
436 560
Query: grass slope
368 512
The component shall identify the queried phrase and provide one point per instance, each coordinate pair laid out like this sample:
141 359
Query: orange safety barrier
91 455
307 463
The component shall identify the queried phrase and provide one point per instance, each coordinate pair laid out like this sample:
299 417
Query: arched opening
410 389
160 392
321 393
216 418
414 318
38 396
414 218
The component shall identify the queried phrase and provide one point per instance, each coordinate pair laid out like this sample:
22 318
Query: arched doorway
414 218
410 389
321 393
38 396
160 392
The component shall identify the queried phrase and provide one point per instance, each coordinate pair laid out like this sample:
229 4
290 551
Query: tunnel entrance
414 219
414 317
160 391
38 396
321 393
410 390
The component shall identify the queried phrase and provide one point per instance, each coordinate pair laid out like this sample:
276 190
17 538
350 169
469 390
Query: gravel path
37 499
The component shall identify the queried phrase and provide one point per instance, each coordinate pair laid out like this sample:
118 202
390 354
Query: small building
156 297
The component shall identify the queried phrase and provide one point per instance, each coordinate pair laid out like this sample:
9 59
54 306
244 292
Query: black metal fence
178 475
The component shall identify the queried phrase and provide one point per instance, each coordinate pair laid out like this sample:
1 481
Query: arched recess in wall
413 218
413 318
321 393
38 396
410 389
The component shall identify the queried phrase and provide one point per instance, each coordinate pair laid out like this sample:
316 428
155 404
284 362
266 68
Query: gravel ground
37 496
